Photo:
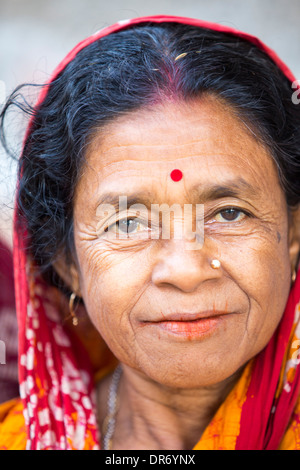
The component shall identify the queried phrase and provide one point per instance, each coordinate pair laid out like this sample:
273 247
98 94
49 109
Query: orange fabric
12 426
222 432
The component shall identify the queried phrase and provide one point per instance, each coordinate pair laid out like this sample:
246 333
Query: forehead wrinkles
202 165
216 149
204 146
202 142
169 126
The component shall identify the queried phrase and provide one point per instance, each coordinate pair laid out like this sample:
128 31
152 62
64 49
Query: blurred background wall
36 34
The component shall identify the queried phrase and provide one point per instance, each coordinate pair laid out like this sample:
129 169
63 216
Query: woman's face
157 302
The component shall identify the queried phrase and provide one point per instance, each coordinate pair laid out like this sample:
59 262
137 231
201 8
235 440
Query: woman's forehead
173 124
199 137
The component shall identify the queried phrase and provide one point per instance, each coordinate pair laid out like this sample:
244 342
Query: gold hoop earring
294 275
72 309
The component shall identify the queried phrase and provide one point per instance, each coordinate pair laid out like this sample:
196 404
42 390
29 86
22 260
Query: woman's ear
68 272
294 237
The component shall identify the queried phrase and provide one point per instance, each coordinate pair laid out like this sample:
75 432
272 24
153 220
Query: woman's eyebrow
238 188
139 197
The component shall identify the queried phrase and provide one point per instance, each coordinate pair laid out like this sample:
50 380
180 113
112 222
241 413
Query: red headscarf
56 384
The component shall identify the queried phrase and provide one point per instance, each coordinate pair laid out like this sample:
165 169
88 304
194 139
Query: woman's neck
152 416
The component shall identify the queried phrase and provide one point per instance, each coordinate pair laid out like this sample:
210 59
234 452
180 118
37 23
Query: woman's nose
183 268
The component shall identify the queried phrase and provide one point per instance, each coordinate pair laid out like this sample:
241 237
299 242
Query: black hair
132 69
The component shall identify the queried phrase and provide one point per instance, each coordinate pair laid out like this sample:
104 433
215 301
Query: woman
145 116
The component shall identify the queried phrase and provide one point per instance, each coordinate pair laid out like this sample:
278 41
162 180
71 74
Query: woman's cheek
258 263
111 281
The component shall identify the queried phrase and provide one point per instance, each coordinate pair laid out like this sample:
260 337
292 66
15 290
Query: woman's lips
190 325
190 328
190 316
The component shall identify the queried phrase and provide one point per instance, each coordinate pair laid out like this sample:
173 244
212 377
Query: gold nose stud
215 264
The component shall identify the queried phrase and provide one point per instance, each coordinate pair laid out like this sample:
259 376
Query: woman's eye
127 225
230 215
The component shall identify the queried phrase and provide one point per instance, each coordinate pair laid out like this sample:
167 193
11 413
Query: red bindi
176 175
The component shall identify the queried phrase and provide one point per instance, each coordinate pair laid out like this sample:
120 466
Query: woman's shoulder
12 425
